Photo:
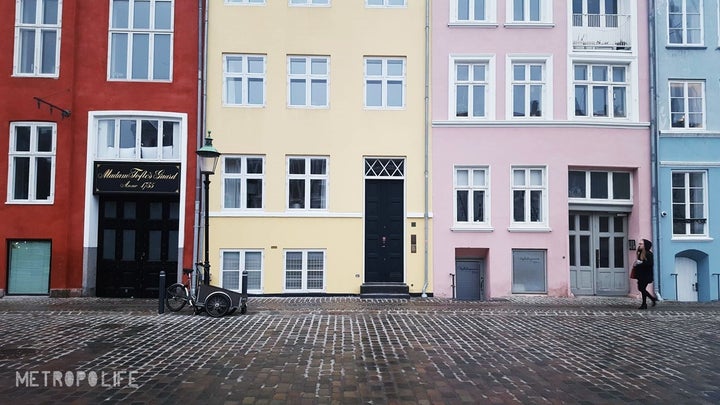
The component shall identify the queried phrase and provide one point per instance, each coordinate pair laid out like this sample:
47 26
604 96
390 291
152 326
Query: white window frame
490 13
304 271
33 155
488 61
309 3
38 27
138 152
470 187
545 63
610 187
528 188
544 18
244 76
705 221
309 78
385 3
590 83
131 34
385 78
308 178
243 178
684 29
242 266
686 105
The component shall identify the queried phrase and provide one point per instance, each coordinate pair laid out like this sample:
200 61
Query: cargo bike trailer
216 301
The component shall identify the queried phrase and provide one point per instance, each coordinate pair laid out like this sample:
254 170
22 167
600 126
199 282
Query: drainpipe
201 120
426 215
654 145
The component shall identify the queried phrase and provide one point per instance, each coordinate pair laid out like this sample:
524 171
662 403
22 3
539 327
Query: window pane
518 206
161 57
118 56
43 174
318 166
22 139
253 261
21 178
598 185
536 208
318 93
478 177
293 261
395 67
27 50
576 184
478 101
461 101
297 92
463 10
478 206
461 206
49 48
296 193
254 165
29 267
28 12
44 139
141 14
621 186
120 12
140 56
395 97
297 66
373 67
581 101
297 166
232 193
318 66
373 94
254 193
231 260
163 15
256 64
600 99
317 194
519 101
255 91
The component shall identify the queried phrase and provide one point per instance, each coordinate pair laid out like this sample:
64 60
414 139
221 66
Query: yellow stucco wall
345 132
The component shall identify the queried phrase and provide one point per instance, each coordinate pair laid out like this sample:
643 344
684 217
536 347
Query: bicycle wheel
176 297
217 305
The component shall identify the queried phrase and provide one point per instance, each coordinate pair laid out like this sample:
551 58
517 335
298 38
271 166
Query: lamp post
208 158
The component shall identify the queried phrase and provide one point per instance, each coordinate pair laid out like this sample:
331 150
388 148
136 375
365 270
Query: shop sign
134 177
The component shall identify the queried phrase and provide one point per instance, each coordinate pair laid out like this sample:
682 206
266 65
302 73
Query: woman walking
644 271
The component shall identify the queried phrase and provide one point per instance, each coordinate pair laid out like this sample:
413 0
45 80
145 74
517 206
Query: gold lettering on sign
137 178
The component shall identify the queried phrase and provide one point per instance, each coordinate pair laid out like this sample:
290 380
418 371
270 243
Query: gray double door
598 252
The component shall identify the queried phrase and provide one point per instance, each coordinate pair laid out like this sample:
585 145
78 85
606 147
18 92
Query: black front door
384 213
137 239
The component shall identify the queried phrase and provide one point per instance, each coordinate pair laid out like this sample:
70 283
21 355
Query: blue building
686 146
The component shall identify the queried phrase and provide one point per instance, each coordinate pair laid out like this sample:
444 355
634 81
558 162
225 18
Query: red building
99 100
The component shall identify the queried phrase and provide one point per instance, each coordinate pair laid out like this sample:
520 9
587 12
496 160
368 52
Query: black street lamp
208 160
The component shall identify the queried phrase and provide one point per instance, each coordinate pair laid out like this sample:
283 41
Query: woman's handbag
633 273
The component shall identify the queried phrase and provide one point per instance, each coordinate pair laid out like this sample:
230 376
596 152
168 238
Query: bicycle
213 300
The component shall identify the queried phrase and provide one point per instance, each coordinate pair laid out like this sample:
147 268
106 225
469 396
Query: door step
384 290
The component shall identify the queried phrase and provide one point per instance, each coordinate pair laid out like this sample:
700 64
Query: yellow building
319 111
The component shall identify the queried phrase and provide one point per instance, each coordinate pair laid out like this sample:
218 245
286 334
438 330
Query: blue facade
687 135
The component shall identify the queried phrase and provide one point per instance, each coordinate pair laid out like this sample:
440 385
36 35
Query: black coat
644 270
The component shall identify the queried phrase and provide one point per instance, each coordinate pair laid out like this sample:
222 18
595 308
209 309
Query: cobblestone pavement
344 350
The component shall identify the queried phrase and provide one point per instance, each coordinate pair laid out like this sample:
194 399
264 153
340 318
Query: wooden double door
138 238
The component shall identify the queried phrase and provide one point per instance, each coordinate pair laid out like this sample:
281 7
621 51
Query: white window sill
521 228
529 24
698 238
469 228
483 24
30 202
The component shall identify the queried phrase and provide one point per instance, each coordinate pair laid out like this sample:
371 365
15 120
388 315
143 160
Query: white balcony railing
601 32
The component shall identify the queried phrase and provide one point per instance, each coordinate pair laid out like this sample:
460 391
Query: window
529 195
243 182
151 138
528 89
307 183
472 90
601 91
141 37
599 185
530 11
304 270
687 104
384 82
685 25
385 3
596 13
689 203
32 162
29 267
308 81
244 80
234 262
309 2
472 11
472 195
37 37
529 271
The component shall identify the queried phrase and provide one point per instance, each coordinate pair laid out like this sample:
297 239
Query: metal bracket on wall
64 113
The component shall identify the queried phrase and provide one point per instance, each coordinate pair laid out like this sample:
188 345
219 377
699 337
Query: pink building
540 146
